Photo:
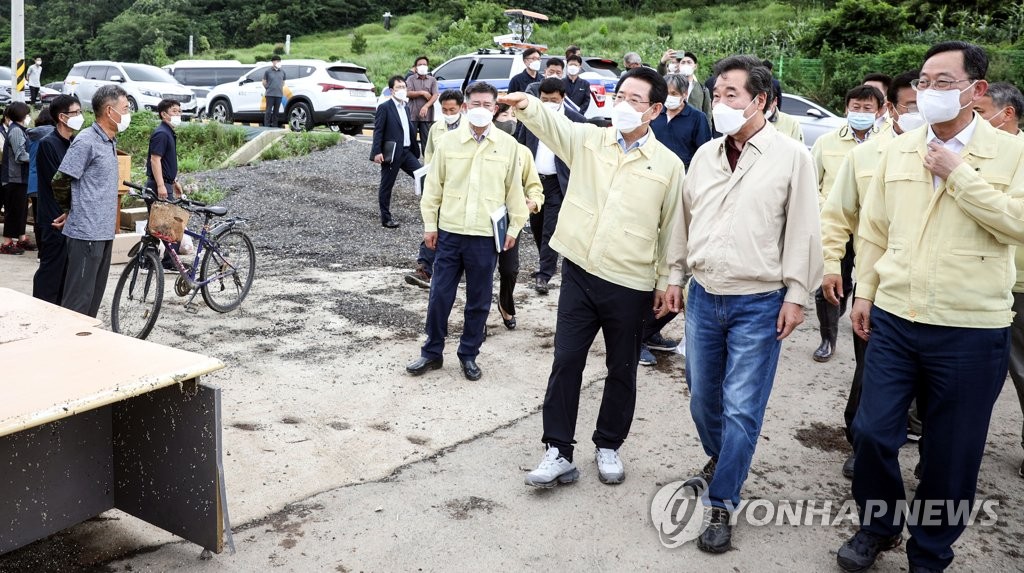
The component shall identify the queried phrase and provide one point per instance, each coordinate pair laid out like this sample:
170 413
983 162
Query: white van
201 76
146 85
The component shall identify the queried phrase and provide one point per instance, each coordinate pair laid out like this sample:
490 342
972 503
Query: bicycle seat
214 210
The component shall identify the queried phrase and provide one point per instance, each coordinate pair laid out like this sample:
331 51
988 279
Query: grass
297 144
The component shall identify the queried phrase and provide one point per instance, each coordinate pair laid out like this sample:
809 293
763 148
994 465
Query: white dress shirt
404 117
956 145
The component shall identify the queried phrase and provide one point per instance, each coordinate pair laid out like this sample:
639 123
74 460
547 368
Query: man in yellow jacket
474 172
939 225
841 214
864 104
613 228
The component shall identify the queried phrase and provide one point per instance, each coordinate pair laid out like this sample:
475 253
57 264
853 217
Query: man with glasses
841 214
520 81
935 268
750 238
474 171
613 229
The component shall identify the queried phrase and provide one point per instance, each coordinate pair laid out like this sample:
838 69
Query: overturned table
91 421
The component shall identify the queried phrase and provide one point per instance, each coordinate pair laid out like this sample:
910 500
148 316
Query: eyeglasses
472 104
941 85
633 101
912 108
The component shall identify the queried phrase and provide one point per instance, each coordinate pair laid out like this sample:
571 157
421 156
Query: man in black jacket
394 145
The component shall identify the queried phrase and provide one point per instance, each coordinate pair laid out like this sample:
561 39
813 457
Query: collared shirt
415 83
578 92
956 145
841 213
275 82
468 181
479 137
635 145
619 208
684 133
52 149
754 229
439 128
91 162
163 143
403 116
944 257
545 159
828 152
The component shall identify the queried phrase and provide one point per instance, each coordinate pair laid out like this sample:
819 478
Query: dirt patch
418 440
248 427
460 509
368 311
291 420
822 437
381 426
339 426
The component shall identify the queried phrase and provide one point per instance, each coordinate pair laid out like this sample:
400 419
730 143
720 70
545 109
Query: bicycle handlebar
148 193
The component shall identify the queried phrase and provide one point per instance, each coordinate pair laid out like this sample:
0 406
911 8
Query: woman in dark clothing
14 178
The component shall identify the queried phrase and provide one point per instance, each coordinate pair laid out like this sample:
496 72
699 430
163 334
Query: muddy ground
336 460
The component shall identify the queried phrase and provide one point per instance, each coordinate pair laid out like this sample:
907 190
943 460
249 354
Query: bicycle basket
167 221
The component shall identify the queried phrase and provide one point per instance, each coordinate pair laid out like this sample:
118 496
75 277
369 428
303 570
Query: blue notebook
499 224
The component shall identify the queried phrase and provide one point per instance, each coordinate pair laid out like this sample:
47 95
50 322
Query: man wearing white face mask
54 203
91 166
935 270
613 228
863 105
1003 107
422 92
394 145
162 167
750 238
841 213
522 80
577 89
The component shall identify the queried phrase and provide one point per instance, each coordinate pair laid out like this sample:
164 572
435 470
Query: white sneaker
553 469
609 466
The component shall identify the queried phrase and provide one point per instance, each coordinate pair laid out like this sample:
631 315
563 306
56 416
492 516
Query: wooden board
22 317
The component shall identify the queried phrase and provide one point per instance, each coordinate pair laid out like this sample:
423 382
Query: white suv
315 93
146 85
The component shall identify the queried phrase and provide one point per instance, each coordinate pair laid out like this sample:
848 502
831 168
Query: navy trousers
48 282
586 304
956 375
542 225
404 161
458 254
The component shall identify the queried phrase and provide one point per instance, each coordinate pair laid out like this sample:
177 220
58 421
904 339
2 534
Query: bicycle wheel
231 255
138 295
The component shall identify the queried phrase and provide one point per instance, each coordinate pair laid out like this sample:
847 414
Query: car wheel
334 127
221 111
352 129
300 117
133 106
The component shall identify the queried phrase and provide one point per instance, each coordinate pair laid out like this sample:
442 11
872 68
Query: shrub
358 44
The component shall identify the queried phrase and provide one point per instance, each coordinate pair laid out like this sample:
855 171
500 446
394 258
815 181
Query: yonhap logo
677 511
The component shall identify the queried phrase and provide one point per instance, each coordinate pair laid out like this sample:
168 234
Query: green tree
859 26
358 44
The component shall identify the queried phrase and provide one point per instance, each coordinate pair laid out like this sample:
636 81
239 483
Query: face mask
673 68
625 118
175 120
451 119
729 120
994 115
573 70
771 115
910 121
673 102
940 106
75 122
860 120
421 70
126 120
686 70
276 66
555 107
534 65
401 95
479 117
508 126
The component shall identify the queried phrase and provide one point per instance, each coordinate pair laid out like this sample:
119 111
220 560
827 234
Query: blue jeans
731 356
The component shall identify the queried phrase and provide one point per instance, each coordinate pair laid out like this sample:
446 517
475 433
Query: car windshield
348 75
144 73
606 68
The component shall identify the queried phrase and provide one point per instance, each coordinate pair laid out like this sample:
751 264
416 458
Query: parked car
201 76
49 91
497 67
146 85
5 86
316 92
815 120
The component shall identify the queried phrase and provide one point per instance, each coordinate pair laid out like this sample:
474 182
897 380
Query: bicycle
224 257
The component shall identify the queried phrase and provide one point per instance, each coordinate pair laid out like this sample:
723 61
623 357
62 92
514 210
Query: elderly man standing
422 93
937 232
750 235
631 60
91 164
613 228
475 170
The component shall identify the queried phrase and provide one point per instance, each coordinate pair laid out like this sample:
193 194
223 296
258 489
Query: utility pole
18 50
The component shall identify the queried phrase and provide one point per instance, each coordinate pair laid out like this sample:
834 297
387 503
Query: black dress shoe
541 285
824 352
848 467
421 365
860 552
471 370
510 322
389 224
717 538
